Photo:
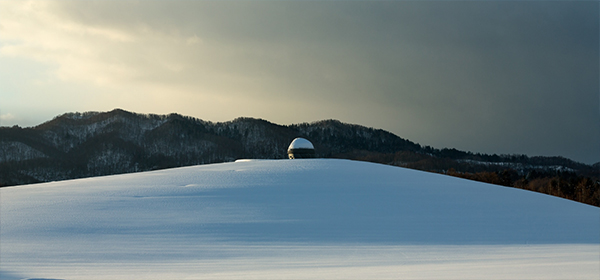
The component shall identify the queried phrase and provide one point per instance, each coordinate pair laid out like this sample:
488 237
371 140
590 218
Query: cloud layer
495 77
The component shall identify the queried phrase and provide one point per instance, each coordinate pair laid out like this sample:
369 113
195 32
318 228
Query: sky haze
515 77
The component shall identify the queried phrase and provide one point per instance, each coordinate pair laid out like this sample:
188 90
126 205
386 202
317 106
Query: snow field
292 219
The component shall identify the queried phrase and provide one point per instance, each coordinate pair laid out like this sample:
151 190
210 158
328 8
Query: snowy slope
292 219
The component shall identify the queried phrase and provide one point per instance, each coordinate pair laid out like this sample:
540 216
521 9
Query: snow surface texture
292 219
301 143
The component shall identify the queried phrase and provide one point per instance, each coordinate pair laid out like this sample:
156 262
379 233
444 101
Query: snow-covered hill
292 219
81 145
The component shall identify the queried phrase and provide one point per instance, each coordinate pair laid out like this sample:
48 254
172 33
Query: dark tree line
580 185
77 145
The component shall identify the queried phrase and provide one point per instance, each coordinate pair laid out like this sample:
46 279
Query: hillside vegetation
77 145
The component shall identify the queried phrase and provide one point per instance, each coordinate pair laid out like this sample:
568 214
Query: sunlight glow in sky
492 77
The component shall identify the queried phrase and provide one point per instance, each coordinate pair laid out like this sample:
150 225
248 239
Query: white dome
301 143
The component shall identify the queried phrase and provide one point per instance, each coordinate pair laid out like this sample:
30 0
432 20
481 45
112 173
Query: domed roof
301 143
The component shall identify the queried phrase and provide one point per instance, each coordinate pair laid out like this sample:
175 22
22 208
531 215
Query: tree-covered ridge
76 145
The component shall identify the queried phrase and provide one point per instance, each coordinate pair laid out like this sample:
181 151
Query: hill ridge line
77 145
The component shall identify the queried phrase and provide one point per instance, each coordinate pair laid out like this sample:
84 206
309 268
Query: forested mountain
76 145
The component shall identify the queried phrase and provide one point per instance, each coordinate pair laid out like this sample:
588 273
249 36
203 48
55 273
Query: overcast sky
492 77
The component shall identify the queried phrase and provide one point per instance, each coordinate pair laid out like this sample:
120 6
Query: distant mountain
77 145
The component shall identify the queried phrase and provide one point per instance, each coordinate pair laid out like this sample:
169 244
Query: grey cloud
485 76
